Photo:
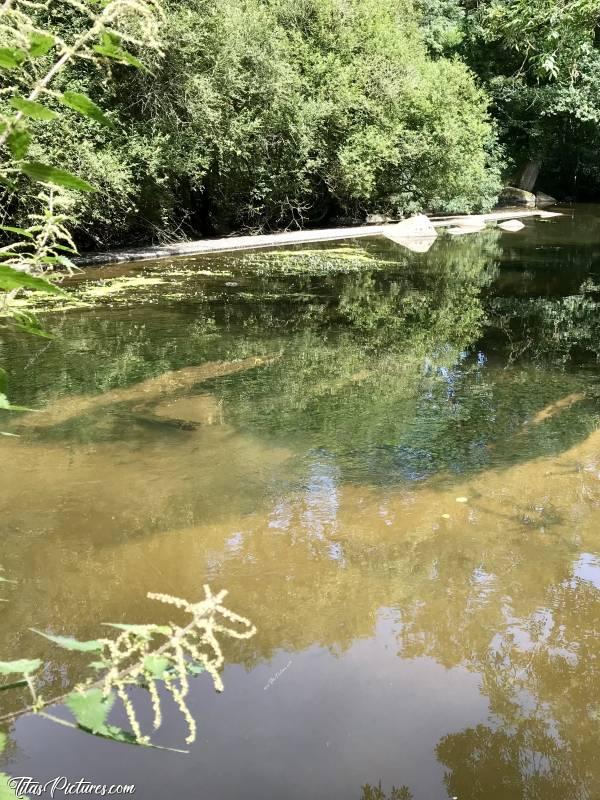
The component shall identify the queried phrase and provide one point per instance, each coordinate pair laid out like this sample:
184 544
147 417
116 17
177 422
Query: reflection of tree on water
378 364
370 792
518 615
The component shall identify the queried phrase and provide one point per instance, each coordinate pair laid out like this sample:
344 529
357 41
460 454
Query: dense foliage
540 65
271 113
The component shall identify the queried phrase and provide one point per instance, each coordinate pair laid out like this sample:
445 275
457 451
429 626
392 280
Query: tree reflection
377 793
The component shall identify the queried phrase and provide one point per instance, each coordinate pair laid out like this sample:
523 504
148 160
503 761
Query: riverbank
414 228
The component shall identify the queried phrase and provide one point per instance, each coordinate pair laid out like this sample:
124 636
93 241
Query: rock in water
511 196
469 221
461 230
419 225
416 244
542 199
417 233
512 225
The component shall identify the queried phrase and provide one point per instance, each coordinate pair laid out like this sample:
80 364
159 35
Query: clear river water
390 460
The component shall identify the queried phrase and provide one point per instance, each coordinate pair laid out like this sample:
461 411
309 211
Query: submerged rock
464 229
542 199
512 225
511 196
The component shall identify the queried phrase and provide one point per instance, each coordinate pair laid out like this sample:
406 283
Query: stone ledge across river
417 233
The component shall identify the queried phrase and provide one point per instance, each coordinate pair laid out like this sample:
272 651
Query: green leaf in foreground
23 666
90 708
18 231
11 57
6 793
15 279
117 735
32 109
18 142
5 405
3 381
41 43
28 323
156 666
59 177
111 49
69 643
83 105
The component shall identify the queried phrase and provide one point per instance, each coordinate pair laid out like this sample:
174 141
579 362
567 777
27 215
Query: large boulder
543 199
415 233
511 196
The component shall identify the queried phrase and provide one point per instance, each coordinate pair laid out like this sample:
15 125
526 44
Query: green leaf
15 279
156 666
83 105
195 669
26 321
6 792
111 49
90 708
6 406
68 643
18 231
22 666
3 380
18 142
32 109
59 177
41 43
11 57
3 740
116 734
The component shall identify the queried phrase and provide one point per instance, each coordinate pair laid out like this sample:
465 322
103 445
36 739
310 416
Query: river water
391 461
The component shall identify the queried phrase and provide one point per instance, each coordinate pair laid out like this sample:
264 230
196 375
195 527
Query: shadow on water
392 462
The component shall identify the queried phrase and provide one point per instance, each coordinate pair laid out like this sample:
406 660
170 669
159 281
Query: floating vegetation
315 261
118 285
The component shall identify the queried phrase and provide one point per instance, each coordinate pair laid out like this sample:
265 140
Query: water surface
390 460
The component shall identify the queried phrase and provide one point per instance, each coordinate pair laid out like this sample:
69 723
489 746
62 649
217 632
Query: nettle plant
150 657
32 56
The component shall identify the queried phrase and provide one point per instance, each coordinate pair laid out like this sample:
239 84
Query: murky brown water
391 461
